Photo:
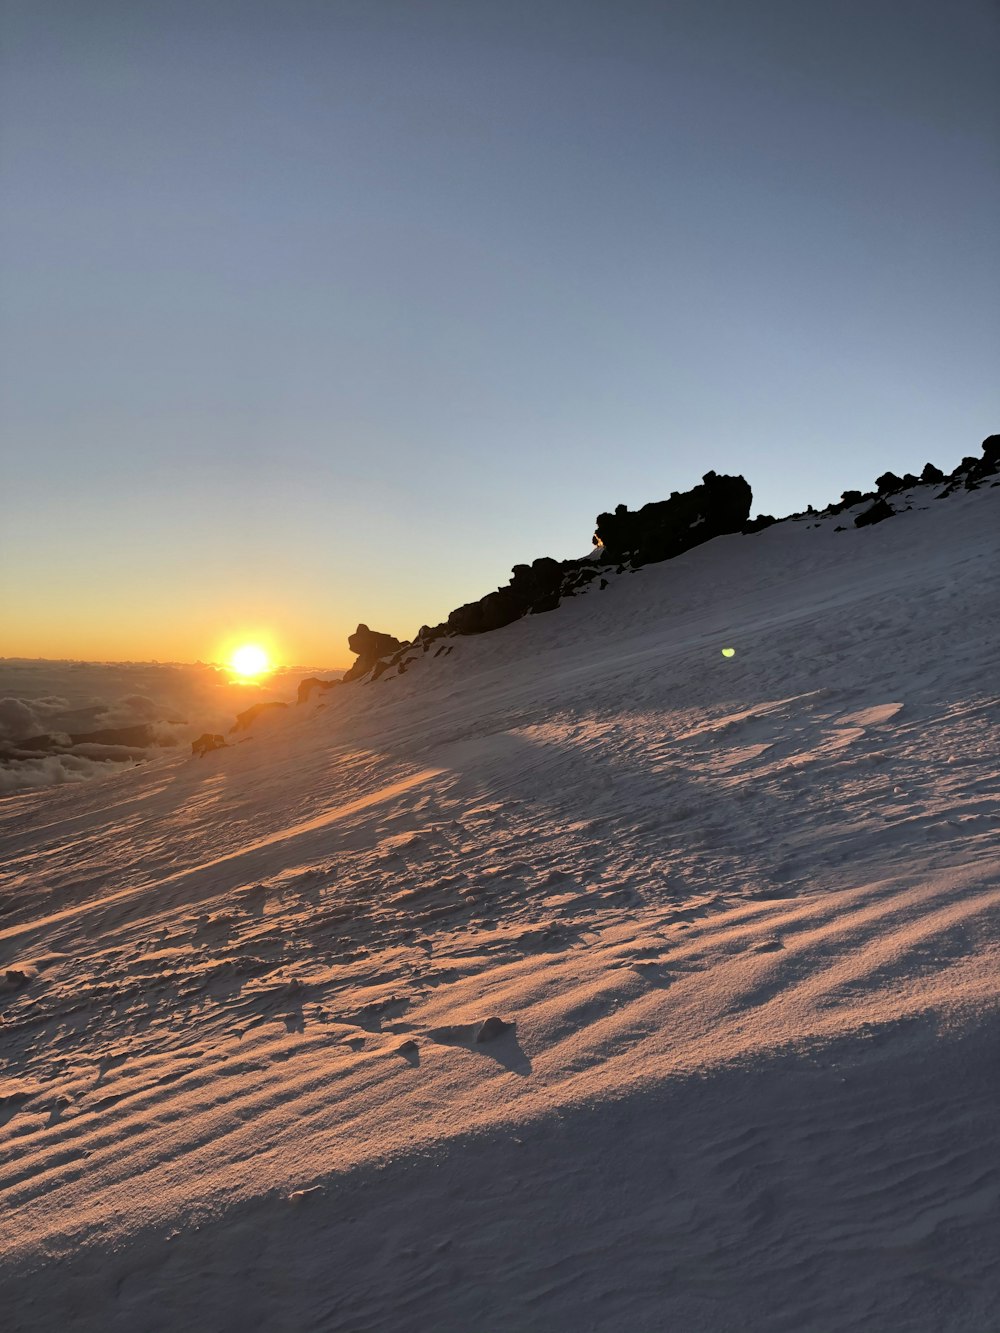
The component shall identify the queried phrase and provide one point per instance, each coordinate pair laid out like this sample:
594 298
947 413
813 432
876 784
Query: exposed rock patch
314 685
371 647
206 743
667 528
879 511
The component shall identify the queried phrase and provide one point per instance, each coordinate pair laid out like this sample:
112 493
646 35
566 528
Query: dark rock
315 685
16 978
533 588
850 498
371 647
880 510
491 1029
971 471
206 743
931 475
987 465
888 484
758 524
667 528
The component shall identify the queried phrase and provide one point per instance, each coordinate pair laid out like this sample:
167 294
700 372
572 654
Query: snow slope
741 915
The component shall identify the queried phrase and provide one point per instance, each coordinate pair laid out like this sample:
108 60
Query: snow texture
579 978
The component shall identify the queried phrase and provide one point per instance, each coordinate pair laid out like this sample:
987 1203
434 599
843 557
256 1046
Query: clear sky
319 311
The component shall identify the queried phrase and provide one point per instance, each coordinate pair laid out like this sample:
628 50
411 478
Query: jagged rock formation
667 528
370 647
658 531
533 589
970 473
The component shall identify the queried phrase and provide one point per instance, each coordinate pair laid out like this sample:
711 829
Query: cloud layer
63 722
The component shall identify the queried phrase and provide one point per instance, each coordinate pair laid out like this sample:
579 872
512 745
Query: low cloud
17 719
64 709
22 775
132 709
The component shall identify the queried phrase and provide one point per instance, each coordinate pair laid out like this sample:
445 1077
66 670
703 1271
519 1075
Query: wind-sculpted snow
579 978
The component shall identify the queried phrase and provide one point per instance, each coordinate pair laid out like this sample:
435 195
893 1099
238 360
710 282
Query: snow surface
741 914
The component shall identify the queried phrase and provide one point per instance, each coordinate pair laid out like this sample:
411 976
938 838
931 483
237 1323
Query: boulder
880 510
888 484
370 646
667 528
931 475
206 743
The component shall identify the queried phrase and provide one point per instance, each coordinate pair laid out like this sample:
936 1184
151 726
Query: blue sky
324 312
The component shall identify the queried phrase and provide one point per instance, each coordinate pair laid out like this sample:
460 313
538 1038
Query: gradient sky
319 312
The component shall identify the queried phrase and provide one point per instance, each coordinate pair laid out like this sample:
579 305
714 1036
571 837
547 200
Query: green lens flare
729 652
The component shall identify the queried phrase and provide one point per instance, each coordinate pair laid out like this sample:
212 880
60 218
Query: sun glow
250 659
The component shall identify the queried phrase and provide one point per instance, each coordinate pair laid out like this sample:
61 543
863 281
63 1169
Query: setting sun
250 660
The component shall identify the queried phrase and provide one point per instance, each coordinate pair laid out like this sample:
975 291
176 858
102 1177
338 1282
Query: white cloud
63 699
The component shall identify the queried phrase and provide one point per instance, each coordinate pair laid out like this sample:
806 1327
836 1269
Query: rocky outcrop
371 647
879 511
972 473
627 540
206 744
246 719
890 484
314 685
985 467
532 589
758 524
667 528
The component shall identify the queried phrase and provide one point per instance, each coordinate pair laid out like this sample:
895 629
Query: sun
250 660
